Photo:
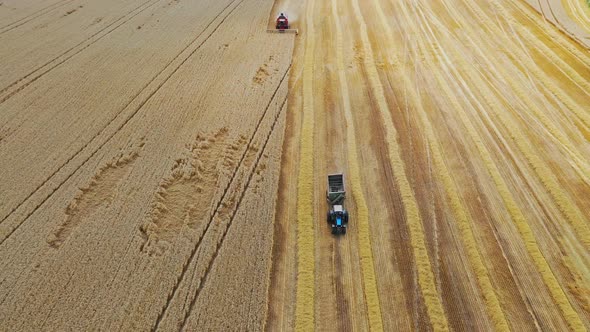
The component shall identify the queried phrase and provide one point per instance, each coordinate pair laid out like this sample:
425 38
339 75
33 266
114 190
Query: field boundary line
111 135
186 265
366 247
47 9
305 288
9 94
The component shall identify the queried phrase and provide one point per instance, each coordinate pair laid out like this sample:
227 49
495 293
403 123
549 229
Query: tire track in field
518 217
29 17
140 104
365 246
218 207
342 304
553 16
204 278
14 88
572 213
425 276
305 291
572 19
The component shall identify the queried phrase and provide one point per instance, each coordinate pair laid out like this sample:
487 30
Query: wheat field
164 165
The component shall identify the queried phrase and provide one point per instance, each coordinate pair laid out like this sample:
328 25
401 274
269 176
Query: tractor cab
338 219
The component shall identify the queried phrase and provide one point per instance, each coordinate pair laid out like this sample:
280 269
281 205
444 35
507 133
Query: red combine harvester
282 25
282 22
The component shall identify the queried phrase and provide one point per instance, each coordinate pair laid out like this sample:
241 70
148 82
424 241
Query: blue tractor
337 216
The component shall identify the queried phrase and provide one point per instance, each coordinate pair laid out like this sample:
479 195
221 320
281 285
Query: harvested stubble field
164 165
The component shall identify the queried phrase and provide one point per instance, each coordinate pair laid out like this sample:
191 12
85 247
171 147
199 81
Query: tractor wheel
343 231
328 218
334 231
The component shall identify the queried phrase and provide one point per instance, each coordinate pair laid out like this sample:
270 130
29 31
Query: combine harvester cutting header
282 26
